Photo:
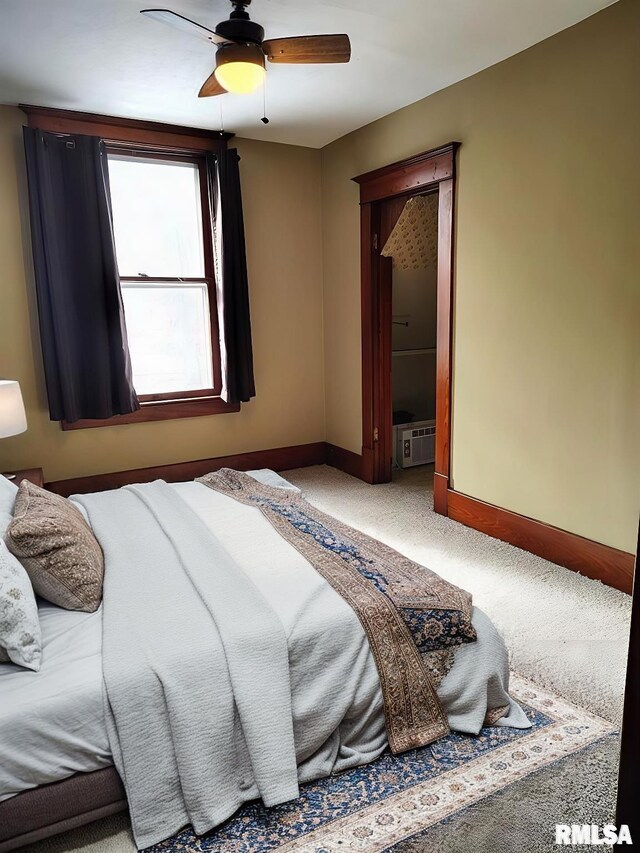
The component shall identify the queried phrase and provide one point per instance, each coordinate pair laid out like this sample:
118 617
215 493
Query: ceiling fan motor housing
240 27
237 29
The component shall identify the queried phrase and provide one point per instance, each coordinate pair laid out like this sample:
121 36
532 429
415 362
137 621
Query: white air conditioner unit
416 444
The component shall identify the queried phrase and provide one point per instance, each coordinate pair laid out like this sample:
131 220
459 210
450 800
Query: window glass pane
157 217
168 326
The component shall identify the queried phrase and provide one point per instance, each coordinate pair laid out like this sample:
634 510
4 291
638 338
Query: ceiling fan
241 49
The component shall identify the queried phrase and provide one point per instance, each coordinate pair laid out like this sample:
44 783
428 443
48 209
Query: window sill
161 411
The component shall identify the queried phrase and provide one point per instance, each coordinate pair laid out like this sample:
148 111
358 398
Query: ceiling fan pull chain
264 118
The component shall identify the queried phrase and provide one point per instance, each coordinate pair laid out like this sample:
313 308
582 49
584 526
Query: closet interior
413 248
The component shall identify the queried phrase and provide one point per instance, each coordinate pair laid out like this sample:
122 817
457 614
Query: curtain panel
232 286
82 325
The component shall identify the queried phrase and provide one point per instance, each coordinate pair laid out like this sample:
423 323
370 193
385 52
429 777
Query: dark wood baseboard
279 459
345 460
585 556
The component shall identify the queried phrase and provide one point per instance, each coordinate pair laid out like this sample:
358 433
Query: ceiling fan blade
303 50
166 16
211 87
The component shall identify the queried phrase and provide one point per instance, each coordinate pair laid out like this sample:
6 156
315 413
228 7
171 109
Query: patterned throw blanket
413 618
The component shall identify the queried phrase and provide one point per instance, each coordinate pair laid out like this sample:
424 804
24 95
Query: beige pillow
57 548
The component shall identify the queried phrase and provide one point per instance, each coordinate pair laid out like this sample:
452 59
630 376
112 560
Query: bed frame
50 809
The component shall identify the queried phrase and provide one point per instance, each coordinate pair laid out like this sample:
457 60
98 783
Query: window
162 232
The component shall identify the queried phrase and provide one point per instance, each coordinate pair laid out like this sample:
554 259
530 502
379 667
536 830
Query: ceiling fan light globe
240 78
240 68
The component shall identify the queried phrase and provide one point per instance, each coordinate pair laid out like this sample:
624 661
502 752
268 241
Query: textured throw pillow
57 548
20 640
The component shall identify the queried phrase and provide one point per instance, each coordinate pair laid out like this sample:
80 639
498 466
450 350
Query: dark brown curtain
231 277
82 326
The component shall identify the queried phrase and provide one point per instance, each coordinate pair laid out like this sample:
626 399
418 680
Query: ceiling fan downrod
240 9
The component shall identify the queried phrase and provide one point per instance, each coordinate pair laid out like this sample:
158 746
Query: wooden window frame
198 160
383 194
158 141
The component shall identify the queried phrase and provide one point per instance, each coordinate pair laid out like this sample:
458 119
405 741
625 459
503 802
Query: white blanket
195 663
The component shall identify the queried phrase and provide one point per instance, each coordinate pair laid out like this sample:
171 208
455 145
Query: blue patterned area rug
371 808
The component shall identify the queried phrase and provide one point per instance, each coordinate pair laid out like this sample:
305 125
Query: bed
56 747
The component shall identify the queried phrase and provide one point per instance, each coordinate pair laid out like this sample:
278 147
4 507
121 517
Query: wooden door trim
444 336
430 170
409 177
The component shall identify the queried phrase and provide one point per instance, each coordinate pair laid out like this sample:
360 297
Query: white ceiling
102 56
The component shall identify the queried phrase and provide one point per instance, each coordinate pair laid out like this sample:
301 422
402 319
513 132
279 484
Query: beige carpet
564 631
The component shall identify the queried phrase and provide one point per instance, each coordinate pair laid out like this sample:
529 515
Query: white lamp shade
13 419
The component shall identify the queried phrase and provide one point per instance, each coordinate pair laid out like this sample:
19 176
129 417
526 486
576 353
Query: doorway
413 249
383 196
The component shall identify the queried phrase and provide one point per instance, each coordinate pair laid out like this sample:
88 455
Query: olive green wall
281 188
546 405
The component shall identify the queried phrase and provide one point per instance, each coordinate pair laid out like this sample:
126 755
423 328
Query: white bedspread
52 722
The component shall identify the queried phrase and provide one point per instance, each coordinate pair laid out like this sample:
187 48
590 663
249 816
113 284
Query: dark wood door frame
431 171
